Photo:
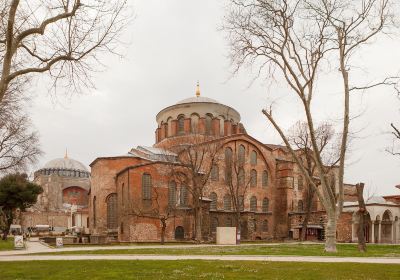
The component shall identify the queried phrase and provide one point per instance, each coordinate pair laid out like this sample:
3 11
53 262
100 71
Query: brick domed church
204 169
64 201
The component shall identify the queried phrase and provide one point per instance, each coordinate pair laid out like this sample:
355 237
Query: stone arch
387 227
75 195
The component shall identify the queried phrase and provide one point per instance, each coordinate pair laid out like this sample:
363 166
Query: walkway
37 247
191 257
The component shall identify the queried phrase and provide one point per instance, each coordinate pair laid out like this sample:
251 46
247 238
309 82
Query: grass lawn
193 269
7 245
344 250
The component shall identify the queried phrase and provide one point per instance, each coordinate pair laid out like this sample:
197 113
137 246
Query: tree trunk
198 235
310 196
362 247
163 227
238 226
330 232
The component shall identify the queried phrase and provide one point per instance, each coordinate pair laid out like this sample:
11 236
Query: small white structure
19 242
59 242
382 225
226 236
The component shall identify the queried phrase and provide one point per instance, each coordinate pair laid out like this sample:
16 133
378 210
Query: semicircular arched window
253 158
253 178
265 205
253 204
181 125
172 194
112 214
214 201
146 186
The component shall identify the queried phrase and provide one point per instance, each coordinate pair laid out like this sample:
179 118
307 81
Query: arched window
300 206
253 158
214 201
241 155
265 226
241 203
184 196
265 179
214 224
227 202
221 125
253 204
241 177
146 186
181 125
228 166
300 182
112 211
168 130
94 211
214 173
194 123
208 124
253 178
228 222
172 194
265 205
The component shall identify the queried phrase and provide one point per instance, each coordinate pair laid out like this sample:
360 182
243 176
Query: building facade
141 195
64 201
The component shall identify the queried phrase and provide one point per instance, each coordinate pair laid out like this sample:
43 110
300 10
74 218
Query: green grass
193 269
344 250
6 244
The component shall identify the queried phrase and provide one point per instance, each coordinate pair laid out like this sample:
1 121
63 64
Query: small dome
198 99
65 163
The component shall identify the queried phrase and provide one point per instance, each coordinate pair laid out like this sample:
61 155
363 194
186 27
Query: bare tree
299 137
361 213
63 38
237 183
291 40
197 156
394 148
19 143
156 208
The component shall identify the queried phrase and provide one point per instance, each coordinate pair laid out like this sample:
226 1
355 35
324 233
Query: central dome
198 99
65 163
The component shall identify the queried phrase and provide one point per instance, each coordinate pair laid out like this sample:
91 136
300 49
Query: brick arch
75 195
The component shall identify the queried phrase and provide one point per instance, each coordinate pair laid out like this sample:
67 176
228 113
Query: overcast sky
175 43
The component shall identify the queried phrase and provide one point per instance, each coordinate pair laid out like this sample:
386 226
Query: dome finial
198 89
66 153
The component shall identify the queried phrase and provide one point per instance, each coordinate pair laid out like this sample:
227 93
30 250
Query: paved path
37 247
190 257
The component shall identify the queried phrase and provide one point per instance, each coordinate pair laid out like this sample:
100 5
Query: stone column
379 232
353 233
373 232
392 233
